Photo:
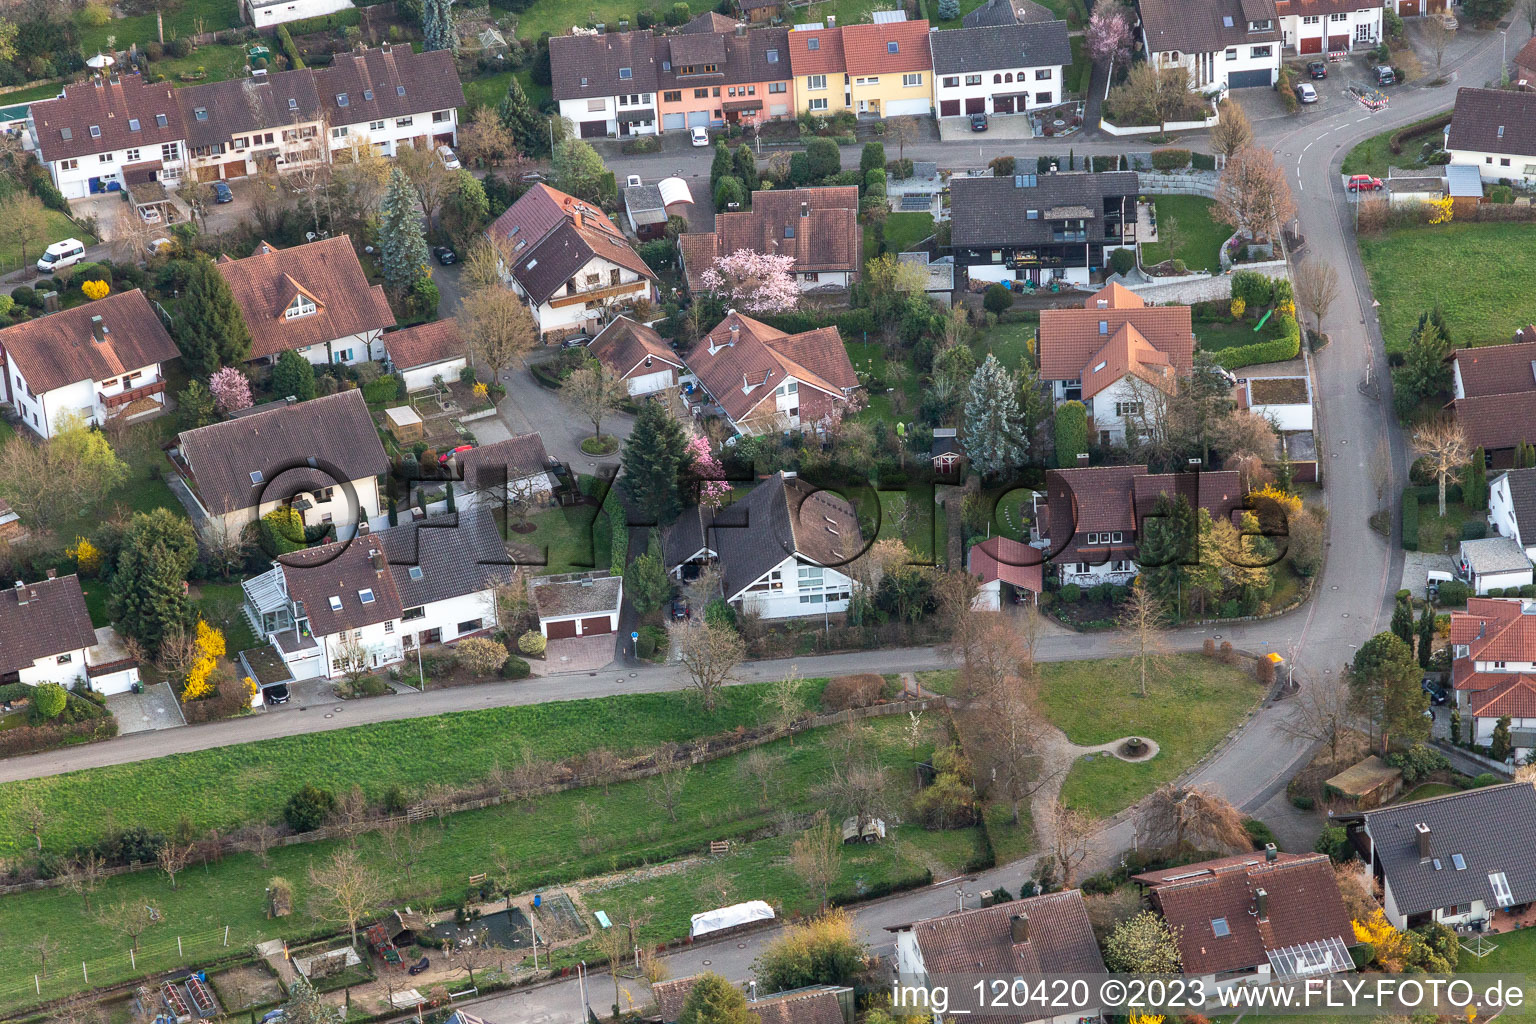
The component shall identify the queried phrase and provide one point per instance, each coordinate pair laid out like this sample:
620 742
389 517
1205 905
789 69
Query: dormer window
1260 26
302 305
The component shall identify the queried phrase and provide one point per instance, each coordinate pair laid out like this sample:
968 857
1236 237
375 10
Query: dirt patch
247 986
1278 390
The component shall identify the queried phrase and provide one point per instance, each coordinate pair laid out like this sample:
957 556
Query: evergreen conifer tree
210 329
653 457
294 376
991 435
526 124
402 247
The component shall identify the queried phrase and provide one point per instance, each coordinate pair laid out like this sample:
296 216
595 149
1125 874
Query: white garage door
698 119
900 108
673 122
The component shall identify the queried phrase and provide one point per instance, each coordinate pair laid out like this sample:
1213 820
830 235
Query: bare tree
485 140
665 788
1233 131
262 834
351 811
1438 37
129 918
173 857
857 786
1316 285
130 236
1445 446
1142 620
709 653
1320 713
595 391
43 948
84 876
405 844
786 700
344 890
617 944
1003 735
759 770
476 954
427 176
352 657
24 225
1071 832
32 814
1252 194
497 327
1179 818
817 856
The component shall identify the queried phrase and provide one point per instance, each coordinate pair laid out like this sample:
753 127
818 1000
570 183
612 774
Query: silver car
1305 93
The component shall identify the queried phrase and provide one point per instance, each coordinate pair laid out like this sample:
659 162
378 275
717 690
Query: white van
61 254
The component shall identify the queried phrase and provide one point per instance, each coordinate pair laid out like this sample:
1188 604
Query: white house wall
420 377
387 134
349 349
344 514
1494 166
381 641
650 383
82 398
447 615
73 176
48 670
293 10
1501 510
1024 81
1363 27
792 601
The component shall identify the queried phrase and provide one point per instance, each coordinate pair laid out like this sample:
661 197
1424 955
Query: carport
149 198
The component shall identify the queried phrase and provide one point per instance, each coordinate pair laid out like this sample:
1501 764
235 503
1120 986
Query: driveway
1000 127
155 708
530 407
576 654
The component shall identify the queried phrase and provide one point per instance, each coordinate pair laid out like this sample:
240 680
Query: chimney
831 21
576 217
377 558
21 592
1082 458
53 574
741 28
99 330
1423 833
1261 903
1271 853
1018 928
805 209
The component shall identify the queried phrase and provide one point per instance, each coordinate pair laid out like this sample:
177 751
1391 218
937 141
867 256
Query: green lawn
220 604
1440 536
36 92
561 542
1374 156
219 62
557 16
1428 790
60 227
904 230
1081 71
181 19
869 357
1187 231
914 519
1011 340
1217 335
1485 307
487 90
1191 703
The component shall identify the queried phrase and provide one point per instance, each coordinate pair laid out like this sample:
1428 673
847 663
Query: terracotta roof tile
1514 695
819 227
999 558
1496 369
742 361
816 52
112 106
1069 338
424 344
61 348
868 49
1492 422
628 348
1526 57
1495 629
1128 353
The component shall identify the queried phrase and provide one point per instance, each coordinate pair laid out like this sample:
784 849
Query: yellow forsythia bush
95 289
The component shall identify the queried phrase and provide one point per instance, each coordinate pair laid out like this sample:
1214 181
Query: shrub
306 810
1485 779
948 803
1253 288
1170 159
1472 529
532 642
1418 762
1302 802
1454 592
1334 841
1411 522
855 691
49 700
1071 593
382 389
1259 834
515 668
1122 261
1202 161
997 299
1286 346
25 296
718 613
480 656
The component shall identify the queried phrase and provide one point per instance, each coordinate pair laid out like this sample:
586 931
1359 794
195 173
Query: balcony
122 398
600 294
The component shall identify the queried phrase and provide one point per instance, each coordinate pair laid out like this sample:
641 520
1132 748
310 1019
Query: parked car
1437 694
276 694
1317 68
1365 183
156 246
679 607
1449 21
1305 93
699 136
222 193
150 215
445 154
446 256
978 122
1384 75
61 254
442 460
1433 580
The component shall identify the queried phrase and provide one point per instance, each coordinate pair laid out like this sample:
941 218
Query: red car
1365 183
442 460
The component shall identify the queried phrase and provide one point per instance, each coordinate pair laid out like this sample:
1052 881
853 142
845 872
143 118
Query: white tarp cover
730 917
674 190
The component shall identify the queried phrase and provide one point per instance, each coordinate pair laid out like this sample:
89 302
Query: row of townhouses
114 132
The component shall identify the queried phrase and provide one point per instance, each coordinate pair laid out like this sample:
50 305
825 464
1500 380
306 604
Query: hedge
1410 522
1170 159
1202 161
1433 125
618 545
848 323
285 43
1275 350
324 22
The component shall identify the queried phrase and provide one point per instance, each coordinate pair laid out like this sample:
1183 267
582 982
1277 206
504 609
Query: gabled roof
388 81
51 620
429 561
112 107
1219 492
1490 828
1213 907
1521 484
999 558
1514 695
1073 340
1100 499
336 431
1493 121
761 55
1497 369
1493 422
816 52
742 361
630 348
1009 46
816 1004
63 348
326 271
819 227
1128 353
1205 26
1525 57
995 13
886 48
520 457
551 235
990 212
355 573
425 344
215 111
589 66
709 21
1495 629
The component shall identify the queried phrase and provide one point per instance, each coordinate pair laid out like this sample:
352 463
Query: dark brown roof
991 212
1092 499
348 571
1207 25
742 361
627 347
245 104
709 21
433 561
1492 422
112 106
547 264
533 215
814 1005
999 558
819 227
1302 899
1219 492
61 348
53 620
584 67
336 432
1496 369
1070 338
424 344
1493 121
328 272
389 81
968 50
761 55
521 456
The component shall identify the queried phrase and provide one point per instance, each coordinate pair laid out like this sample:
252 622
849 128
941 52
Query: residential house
569 262
715 78
1316 27
782 548
101 361
389 96
878 70
1005 69
1093 515
760 12
606 83
815 1004
243 126
1109 351
1255 917
1495 131
1512 507
1037 228
1039 936
268 13
819 227
362 604
1460 859
1493 668
321 457
1525 64
637 355
94 132
1223 44
763 380
577 604
420 355
1493 563
314 299
515 469
1000 13
45 632
1011 572
1493 391
1414 8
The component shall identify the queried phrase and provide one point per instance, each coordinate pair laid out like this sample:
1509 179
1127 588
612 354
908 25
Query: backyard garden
1186 231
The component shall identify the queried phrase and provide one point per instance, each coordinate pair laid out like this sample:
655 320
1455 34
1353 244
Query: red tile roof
999 558
62 348
819 227
742 361
112 106
629 348
1069 338
1496 369
1494 629
424 344
825 59
1128 353
867 48
1513 695
1526 57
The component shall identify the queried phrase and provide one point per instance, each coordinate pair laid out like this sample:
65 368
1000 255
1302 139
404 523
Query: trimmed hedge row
848 323
285 44
618 545
325 22
1275 350
1410 521
1413 131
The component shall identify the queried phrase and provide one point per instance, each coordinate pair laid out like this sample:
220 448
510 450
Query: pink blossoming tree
231 388
706 472
753 282
1109 35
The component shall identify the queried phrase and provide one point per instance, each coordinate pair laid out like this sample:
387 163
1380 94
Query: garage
594 129
909 108
1313 45
949 108
1250 79
596 624
976 105
560 629
1408 8
577 603
698 119
674 122
1338 42
233 169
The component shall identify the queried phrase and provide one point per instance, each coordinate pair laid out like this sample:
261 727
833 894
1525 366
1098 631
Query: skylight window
201 113
341 99
293 104
414 572
893 47
399 90
133 124
368 94
365 595
773 56
1227 21
1219 927
160 120
789 231
1501 894
95 131
626 74
1458 862
335 603
813 44
256 476
66 134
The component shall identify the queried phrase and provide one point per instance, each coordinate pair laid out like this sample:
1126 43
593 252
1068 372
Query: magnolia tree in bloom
753 282
1109 35
231 388
707 472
